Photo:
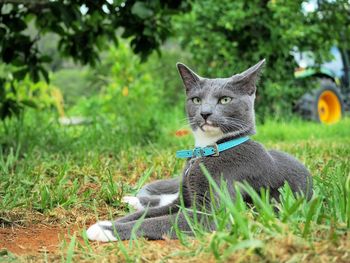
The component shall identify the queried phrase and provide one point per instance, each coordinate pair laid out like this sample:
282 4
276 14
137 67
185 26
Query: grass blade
70 251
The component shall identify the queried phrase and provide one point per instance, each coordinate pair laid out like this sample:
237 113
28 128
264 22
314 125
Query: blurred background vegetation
92 108
113 62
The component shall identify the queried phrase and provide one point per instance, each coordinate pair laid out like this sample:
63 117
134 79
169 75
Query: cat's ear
249 77
189 78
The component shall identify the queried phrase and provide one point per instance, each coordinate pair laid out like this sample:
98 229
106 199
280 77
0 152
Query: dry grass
64 194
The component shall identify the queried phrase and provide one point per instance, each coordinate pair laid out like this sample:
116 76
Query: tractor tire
324 105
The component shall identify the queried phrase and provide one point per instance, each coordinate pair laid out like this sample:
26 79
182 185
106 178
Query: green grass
75 175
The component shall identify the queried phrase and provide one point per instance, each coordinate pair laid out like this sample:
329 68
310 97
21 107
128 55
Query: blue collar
211 150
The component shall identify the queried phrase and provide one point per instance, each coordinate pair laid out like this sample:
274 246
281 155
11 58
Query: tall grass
249 228
76 174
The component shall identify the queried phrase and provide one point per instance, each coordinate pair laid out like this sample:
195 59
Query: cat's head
221 107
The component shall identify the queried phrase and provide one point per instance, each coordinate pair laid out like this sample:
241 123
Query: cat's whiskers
183 123
237 127
242 124
234 126
231 120
235 119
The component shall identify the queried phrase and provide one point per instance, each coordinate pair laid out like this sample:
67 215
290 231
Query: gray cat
219 110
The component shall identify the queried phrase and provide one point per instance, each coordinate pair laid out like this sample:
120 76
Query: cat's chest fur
194 181
203 139
247 162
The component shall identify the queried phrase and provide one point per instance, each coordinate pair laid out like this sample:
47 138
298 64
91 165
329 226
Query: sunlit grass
75 176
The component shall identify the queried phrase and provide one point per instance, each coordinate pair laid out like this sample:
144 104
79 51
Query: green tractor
328 102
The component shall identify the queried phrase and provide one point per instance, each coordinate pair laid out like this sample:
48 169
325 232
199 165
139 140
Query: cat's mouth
208 126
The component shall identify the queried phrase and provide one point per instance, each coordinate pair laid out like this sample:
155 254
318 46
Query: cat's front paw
133 201
99 232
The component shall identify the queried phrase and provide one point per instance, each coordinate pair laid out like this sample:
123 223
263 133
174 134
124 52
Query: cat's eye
225 100
196 100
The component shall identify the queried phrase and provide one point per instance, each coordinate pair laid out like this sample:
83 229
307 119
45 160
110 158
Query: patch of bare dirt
35 239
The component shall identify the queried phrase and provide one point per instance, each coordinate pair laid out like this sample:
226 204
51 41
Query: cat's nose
205 115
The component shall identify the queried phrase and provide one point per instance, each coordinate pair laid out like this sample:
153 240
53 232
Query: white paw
97 233
133 202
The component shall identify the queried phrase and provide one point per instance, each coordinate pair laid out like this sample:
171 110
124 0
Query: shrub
15 95
134 96
227 37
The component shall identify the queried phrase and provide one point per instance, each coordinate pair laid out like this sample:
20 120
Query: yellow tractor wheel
324 104
329 107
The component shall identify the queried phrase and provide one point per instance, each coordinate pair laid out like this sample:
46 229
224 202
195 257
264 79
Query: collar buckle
211 150
216 149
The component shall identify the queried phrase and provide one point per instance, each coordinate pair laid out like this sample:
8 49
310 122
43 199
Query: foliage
74 84
161 66
123 100
15 95
132 96
226 37
84 28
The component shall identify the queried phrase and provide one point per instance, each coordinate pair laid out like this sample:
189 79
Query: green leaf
313 207
45 74
16 24
29 103
45 58
20 74
141 10
70 251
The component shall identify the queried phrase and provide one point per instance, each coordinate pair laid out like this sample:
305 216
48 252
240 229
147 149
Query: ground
49 200
33 239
